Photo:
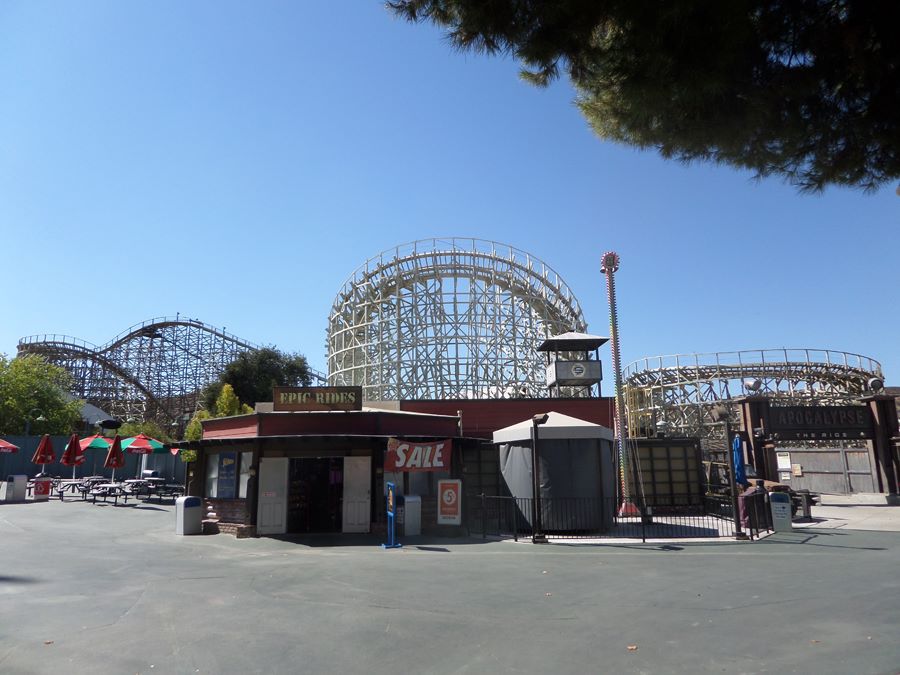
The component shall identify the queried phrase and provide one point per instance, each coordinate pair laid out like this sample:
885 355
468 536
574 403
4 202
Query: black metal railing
755 514
573 518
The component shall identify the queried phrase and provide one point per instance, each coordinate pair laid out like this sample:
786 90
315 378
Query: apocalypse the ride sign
292 399
414 456
821 422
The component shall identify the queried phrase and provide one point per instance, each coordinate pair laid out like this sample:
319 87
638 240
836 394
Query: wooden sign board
291 399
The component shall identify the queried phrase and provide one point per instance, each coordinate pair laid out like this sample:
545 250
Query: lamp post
28 419
537 529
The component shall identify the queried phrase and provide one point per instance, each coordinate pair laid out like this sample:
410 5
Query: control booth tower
570 363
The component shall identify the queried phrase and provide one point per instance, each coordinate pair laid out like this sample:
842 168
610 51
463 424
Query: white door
357 493
271 513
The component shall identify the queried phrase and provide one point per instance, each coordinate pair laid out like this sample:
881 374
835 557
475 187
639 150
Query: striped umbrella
142 445
95 442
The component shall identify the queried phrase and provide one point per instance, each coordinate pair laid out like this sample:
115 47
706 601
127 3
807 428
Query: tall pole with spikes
609 266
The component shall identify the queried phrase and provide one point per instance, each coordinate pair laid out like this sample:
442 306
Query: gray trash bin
412 518
14 488
188 515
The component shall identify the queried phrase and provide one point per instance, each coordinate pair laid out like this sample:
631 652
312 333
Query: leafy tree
30 387
194 430
253 374
229 404
807 90
226 405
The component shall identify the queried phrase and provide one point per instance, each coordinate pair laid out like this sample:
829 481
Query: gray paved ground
105 589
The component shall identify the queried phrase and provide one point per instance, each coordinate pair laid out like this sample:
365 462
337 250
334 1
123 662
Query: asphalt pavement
111 589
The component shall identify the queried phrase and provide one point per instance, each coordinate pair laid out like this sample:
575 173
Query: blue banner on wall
737 448
227 487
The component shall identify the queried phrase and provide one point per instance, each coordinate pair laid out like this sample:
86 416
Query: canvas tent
577 471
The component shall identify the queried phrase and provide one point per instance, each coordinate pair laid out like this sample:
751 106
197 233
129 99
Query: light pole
40 418
537 529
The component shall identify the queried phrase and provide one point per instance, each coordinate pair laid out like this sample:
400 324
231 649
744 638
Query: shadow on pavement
336 540
17 580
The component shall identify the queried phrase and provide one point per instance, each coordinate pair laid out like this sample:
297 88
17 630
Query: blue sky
234 162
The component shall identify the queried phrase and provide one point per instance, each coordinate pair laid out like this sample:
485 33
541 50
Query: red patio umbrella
73 455
115 458
8 447
44 453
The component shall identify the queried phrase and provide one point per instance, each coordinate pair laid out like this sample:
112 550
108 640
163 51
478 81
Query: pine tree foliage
808 90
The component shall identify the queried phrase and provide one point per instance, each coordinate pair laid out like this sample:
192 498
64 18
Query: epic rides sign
416 456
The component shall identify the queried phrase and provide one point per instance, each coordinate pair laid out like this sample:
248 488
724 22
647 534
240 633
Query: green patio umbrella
95 442
143 445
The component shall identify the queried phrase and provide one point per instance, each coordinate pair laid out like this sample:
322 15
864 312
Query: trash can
412 518
188 515
42 485
780 505
14 488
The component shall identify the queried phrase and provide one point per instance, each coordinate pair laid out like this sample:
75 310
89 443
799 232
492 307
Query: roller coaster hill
812 418
155 370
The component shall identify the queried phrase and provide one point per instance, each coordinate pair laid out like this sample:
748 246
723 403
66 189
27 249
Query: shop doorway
273 495
315 494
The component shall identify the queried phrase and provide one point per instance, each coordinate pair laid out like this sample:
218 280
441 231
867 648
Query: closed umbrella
44 453
115 458
73 455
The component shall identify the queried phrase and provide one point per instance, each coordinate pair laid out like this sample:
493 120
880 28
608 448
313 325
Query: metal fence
170 467
604 518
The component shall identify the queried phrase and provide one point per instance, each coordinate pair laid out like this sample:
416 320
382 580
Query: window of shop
227 474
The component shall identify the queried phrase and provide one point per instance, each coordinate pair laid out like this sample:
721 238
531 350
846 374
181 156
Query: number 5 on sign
449 502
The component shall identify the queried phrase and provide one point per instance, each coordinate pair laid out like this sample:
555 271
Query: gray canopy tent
577 471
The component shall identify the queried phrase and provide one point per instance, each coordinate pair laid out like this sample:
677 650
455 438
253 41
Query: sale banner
416 456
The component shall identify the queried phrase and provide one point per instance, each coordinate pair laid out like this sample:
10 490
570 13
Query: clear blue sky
235 161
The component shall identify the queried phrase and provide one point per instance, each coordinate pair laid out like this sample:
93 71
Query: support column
755 423
886 471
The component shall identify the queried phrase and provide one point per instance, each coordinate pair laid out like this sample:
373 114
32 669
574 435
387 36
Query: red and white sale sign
449 502
412 456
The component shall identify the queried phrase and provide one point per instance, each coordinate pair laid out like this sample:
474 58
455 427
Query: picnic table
107 490
70 485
